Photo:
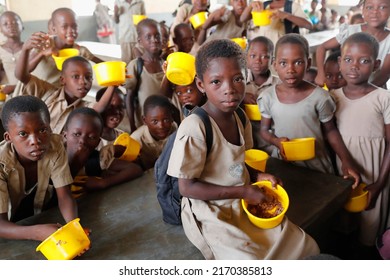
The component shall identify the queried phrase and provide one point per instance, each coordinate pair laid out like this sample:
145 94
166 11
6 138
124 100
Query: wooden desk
126 220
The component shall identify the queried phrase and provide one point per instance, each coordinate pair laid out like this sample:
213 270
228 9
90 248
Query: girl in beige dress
212 185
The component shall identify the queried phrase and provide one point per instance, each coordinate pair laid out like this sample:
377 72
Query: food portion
268 209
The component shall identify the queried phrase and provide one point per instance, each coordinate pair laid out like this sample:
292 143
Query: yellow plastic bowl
66 243
133 147
242 42
110 73
299 148
264 223
180 68
256 159
198 19
358 199
262 18
253 112
63 55
138 18
3 96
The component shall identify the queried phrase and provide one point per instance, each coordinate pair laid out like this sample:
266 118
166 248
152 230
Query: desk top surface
126 220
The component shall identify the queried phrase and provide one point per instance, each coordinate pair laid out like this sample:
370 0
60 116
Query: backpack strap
139 69
241 115
202 114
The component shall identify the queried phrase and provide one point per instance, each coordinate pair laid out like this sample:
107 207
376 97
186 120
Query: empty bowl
299 149
198 19
63 55
253 112
133 147
262 18
273 212
138 18
110 73
65 243
256 159
358 199
180 68
242 42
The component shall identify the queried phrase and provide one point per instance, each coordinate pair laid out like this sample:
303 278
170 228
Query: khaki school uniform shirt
53 166
228 28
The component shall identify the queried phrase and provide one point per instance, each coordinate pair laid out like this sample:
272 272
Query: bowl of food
242 42
65 243
268 214
299 149
133 147
358 199
256 159
110 73
63 55
253 112
262 18
180 68
138 18
198 19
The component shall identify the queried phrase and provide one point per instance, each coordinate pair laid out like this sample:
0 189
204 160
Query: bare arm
213 19
66 203
130 109
265 127
299 21
320 59
102 104
382 75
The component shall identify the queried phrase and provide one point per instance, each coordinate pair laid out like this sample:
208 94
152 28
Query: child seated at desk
81 136
33 170
158 125
76 80
63 34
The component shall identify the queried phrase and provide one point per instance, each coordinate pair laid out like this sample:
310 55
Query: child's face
77 79
223 83
159 122
376 12
188 95
185 39
65 27
310 76
115 112
82 133
238 6
10 25
357 63
291 64
164 36
29 132
200 5
258 58
333 77
150 39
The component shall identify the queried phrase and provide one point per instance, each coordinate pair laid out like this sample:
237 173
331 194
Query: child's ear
62 80
144 120
308 63
377 64
6 137
199 85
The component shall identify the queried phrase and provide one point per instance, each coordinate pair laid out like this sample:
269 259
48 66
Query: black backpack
288 25
168 194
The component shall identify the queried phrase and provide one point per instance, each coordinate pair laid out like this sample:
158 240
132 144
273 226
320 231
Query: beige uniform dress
362 125
54 98
227 29
9 63
53 166
150 147
220 229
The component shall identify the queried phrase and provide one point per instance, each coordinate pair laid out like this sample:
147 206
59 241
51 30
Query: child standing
81 137
148 82
376 14
11 27
367 139
184 39
212 187
34 170
333 77
158 125
297 108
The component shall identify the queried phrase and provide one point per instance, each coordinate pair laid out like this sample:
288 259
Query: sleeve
106 156
4 195
35 87
86 53
345 30
326 107
181 16
263 101
299 12
385 102
131 70
60 174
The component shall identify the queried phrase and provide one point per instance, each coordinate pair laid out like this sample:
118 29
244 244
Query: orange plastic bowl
110 73
63 55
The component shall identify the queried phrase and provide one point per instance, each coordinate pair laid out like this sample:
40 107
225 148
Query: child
184 39
227 23
297 17
76 79
310 75
139 88
212 188
112 116
64 32
333 77
158 125
297 108
363 118
376 14
165 48
11 27
34 170
81 136
259 59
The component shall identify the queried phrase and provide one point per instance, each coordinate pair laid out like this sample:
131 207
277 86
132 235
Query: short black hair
13 14
147 22
87 112
333 57
23 104
76 58
60 10
363 38
295 39
180 26
222 48
101 91
155 100
263 40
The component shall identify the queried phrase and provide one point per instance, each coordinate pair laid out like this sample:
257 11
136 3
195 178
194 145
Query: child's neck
261 78
356 91
379 32
108 134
